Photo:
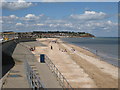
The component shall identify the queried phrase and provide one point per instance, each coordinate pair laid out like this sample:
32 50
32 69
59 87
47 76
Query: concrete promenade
79 67
46 76
17 75
16 78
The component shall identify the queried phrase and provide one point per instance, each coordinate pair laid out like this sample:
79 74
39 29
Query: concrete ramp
46 76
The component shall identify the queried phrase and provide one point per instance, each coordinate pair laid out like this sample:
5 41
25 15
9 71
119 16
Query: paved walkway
16 78
78 78
20 53
46 76
17 75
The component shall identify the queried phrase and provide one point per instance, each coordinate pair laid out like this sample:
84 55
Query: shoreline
105 59
103 66
87 70
88 53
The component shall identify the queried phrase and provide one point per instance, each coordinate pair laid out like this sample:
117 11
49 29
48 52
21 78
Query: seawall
7 60
7 48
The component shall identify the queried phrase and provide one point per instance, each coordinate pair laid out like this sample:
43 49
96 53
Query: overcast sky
98 18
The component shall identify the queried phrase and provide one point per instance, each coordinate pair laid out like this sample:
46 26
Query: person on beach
51 47
72 49
96 52
65 50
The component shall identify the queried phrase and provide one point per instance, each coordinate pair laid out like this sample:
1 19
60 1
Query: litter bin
42 58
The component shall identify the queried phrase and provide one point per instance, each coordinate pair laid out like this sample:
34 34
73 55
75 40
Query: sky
97 18
64 0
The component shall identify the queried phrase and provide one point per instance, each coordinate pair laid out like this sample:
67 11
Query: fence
62 80
33 79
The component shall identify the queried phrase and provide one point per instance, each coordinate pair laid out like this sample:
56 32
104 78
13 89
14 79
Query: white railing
62 80
33 79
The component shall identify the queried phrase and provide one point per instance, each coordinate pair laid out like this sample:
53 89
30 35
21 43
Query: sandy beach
80 67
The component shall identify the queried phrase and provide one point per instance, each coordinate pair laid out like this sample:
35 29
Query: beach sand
81 68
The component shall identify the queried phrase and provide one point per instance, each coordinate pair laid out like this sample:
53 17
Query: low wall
7 50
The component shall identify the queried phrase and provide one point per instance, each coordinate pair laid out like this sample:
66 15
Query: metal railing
62 80
30 73
33 79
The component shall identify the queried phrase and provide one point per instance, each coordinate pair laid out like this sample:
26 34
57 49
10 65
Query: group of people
63 50
32 48
72 49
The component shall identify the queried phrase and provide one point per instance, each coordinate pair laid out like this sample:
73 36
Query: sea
104 47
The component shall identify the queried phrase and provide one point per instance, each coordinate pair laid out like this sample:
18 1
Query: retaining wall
6 50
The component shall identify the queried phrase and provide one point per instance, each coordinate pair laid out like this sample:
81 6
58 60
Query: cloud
19 24
39 24
67 0
31 17
58 0
94 23
89 15
75 0
20 4
13 17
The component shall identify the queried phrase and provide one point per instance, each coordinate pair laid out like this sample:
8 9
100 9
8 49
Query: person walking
51 47
96 52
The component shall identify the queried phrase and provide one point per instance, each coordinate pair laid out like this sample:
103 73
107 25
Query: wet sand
81 68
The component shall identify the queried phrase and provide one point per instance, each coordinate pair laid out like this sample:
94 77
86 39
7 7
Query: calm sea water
106 48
